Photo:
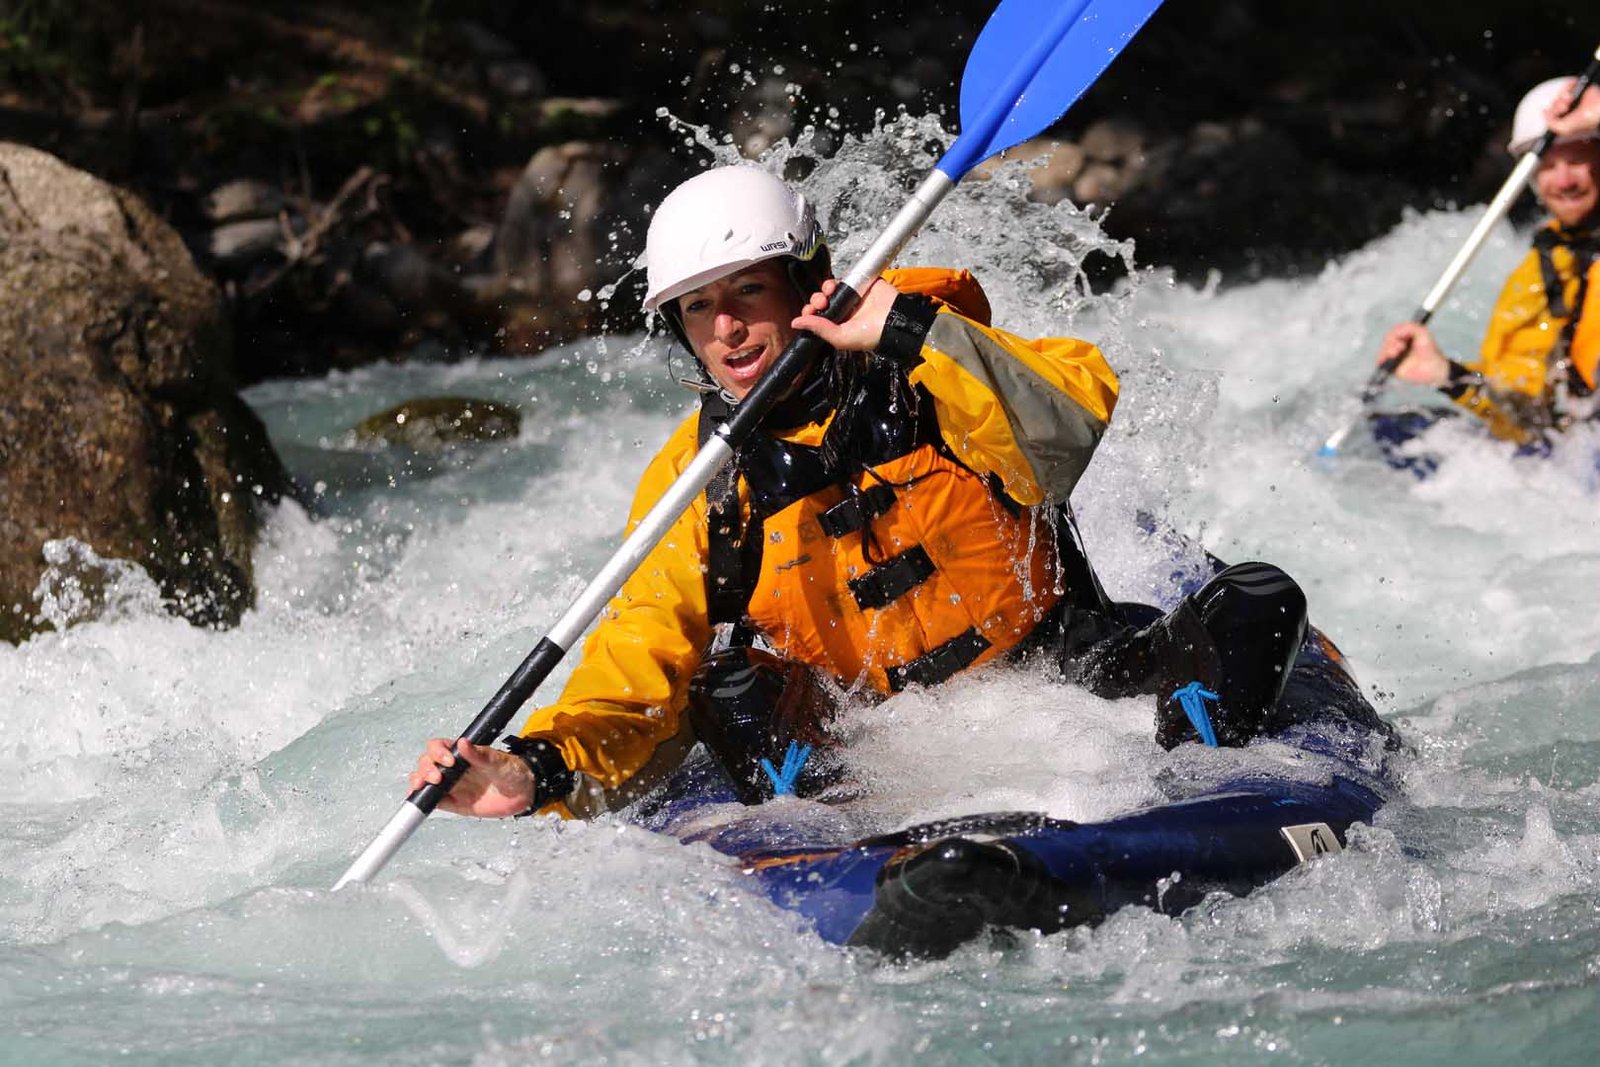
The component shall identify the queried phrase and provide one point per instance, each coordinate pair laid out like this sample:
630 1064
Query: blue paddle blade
1032 61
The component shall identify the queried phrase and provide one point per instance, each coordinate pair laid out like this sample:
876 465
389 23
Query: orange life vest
896 564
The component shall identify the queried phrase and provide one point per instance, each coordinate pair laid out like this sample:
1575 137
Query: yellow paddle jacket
1023 415
1517 391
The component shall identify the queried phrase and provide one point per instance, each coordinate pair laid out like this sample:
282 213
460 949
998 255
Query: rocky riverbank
286 189
362 177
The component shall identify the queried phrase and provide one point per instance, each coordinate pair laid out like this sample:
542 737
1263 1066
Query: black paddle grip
494 717
798 357
1385 370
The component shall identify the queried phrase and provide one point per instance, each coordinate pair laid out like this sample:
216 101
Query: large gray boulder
574 224
120 426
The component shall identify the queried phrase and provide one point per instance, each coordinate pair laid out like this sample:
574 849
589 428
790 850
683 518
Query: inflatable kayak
927 889
1399 435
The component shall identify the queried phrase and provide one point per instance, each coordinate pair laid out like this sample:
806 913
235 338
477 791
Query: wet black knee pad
930 900
1256 615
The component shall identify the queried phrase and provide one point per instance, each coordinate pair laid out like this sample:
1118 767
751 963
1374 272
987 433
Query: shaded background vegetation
1333 116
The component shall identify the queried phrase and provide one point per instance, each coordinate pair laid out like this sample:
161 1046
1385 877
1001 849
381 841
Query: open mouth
743 358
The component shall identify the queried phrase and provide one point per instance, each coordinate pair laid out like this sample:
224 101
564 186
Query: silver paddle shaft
711 458
901 228
1513 188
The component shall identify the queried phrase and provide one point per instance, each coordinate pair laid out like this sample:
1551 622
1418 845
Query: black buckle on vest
855 511
898 576
933 667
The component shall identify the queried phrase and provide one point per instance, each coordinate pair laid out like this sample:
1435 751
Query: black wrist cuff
1461 379
906 327
552 778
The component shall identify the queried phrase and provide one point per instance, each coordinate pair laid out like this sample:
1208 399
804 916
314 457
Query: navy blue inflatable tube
926 890
1167 857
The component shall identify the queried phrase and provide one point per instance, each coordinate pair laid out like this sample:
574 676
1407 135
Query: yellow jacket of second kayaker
1516 394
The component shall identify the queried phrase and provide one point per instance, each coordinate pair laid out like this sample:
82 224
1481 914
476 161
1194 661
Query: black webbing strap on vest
1575 383
855 511
733 549
938 664
1585 248
892 579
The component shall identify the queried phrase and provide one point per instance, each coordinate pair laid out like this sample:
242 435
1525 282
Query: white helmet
721 221
1528 125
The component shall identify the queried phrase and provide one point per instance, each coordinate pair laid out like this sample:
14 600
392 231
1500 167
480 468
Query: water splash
180 798
78 585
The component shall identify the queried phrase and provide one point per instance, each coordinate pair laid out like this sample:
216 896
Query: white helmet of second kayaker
1530 123
723 220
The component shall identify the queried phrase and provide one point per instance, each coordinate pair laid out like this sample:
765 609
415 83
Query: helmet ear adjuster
674 319
808 274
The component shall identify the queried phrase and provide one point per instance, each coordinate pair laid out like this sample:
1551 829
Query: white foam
181 797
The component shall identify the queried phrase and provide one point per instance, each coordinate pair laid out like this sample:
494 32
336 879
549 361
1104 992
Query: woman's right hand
1421 361
1584 116
862 331
496 783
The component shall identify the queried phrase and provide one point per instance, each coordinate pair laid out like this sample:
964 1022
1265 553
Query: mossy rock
120 425
437 423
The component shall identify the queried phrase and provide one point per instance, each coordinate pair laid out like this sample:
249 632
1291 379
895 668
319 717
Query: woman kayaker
899 520
1536 368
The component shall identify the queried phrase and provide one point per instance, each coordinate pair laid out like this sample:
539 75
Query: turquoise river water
176 802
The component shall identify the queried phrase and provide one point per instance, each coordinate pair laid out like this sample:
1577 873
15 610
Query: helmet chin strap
700 383
704 383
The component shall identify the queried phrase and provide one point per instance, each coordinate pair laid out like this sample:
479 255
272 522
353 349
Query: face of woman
739 324
1566 180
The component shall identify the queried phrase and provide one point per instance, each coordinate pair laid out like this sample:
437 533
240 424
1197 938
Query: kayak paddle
1032 61
1508 194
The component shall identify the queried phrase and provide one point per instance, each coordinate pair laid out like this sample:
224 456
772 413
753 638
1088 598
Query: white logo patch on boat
1311 840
